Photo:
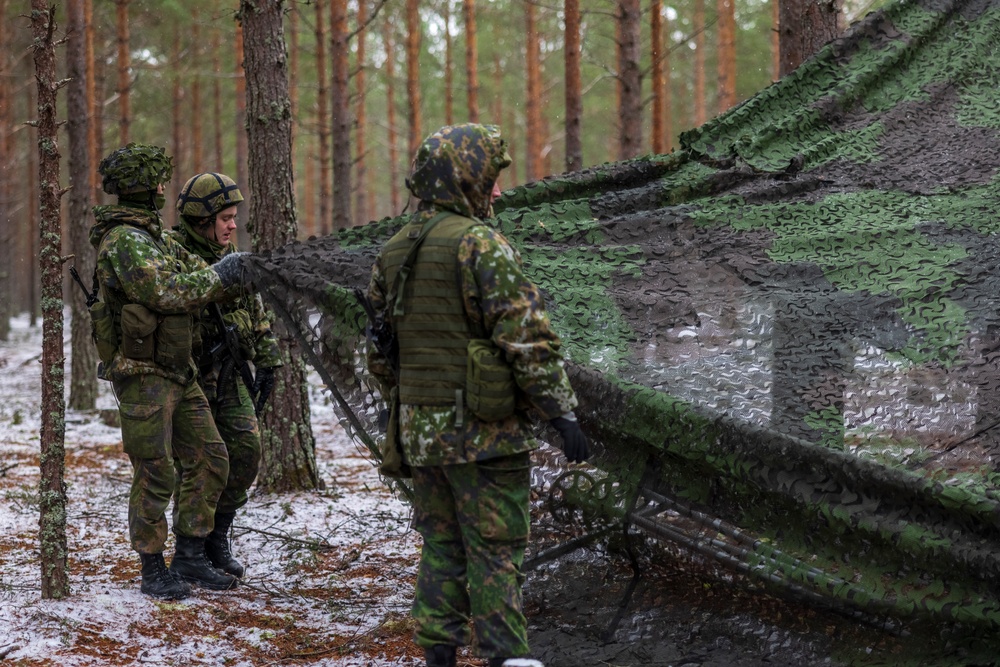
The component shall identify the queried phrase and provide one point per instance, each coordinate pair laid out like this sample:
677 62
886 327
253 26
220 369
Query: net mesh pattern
783 335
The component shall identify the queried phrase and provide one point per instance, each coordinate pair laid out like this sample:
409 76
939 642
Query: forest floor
330 574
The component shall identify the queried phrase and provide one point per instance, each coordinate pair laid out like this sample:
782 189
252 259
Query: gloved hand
574 441
230 268
263 383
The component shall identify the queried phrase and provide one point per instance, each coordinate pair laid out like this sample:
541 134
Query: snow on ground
329 573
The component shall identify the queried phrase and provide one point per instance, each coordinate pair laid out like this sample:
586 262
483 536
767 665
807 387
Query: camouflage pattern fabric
135 168
167 425
474 521
783 335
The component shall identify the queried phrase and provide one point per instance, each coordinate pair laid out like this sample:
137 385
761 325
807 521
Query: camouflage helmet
457 166
135 168
204 195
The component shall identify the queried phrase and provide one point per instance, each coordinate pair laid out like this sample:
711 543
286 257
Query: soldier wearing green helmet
452 290
151 289
207 204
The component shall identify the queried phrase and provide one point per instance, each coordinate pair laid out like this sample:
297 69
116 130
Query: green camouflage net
784 335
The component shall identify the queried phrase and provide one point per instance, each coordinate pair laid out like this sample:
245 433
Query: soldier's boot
217 546
515 662
191 564
440 655
157 581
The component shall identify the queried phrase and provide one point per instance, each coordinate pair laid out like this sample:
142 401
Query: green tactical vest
433 331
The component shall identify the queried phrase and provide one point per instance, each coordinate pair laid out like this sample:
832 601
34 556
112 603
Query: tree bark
83 376
242 169
726 55
323 127
395 184
340 112
218 157
630 76
7 231
288 449
362 194
93 111
449 68
52 486
574 87
413 35
176 113
471 60
660 56
124 62
34 282
699 63
804 27
533 101
195 112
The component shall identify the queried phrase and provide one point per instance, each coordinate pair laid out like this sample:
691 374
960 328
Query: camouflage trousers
474 520
237 423
165 424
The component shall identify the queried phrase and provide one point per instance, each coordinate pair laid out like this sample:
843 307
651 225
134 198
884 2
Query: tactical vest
433 330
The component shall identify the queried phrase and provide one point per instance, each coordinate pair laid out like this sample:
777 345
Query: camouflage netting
784 335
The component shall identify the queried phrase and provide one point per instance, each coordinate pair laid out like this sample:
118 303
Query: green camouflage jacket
137 263
500 298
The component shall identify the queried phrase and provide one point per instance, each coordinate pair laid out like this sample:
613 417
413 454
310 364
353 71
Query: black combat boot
191 564
157 581
440 655
217 546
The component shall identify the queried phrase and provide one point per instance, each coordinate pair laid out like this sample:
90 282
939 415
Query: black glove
263 383
574 441
230 268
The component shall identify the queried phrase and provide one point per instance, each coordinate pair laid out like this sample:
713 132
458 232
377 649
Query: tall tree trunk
574 88
288 449
176 116
395 184
293 68
195 112
124 63
362 210
218 157
7 230
242 170
775 40
308 208
449 68
471 60
660 56
34 282
533 101
726 58
52 486
323 127
413 36
699 63
340 111
630 75
94 115
804 27
83 378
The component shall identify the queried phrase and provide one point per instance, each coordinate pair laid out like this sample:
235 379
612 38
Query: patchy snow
329 573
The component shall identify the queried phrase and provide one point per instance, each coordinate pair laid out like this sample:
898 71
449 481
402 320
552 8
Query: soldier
207 205
470 459
150 287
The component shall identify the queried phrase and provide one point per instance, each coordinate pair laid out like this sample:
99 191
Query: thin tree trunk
323 126
574 88
176 115
726 63
83 378
288 449
660 83
362 211
390 116
449 68
699 63
498 110
218 156
293 68
340 112
533 102
52 486
309 226
7 231
93 112
775 40
34 283
195 112
805 26
630 75
413 36
242 170
471 60
124 62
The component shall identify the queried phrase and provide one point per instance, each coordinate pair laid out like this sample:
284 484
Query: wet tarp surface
783 335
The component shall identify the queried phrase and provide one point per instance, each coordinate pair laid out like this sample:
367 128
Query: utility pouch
392 464
102 328
490 390
138 325
173 342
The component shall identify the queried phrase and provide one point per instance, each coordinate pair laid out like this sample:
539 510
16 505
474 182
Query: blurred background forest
368 80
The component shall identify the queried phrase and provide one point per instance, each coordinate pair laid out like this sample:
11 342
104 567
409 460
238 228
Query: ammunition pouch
102 329
392 464
138 325
490 390
173 342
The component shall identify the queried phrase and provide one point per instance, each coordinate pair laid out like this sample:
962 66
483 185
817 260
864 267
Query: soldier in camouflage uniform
207 205
470 475
150 288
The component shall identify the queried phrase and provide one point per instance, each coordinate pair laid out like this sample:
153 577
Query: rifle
91 296
228 349
379 332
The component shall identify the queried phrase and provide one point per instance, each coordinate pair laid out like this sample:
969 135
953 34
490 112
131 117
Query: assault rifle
228 350
91 295
380 333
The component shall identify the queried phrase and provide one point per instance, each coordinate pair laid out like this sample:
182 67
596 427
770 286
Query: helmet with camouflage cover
204 195
457 166
135 168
